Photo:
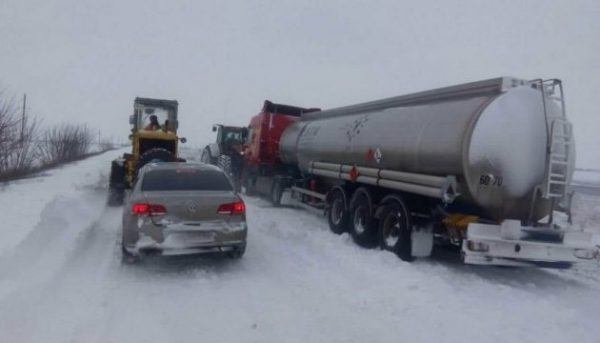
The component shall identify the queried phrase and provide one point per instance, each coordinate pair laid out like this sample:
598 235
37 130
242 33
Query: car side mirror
183 140
214 128
130 137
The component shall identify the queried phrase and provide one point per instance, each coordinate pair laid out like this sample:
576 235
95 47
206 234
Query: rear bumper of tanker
493 245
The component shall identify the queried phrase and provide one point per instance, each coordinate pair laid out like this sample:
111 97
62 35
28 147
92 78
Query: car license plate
197 237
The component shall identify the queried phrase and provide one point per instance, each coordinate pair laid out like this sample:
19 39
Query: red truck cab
264 133
261 154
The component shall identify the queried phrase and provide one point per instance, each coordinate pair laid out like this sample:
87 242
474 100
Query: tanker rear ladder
559 159
559 164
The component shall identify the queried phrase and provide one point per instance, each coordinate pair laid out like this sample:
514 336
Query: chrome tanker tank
505 140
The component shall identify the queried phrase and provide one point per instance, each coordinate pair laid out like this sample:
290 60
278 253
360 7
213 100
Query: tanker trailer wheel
249 181
156 154
337 215
276 192
363 226
395 230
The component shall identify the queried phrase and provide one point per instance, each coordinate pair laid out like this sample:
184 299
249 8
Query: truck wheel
224 162
276 192
249 185
207 158
337 215
129 258
116 184
395 230
237 252
115 196
363 226
156 154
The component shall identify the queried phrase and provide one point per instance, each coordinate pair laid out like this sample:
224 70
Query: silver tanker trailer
482 166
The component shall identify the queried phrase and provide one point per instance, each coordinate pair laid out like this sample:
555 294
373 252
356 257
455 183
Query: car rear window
185 179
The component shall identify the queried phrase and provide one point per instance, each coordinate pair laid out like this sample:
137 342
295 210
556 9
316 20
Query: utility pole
23 118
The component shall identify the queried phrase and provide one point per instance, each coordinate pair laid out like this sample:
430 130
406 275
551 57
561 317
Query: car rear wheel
127 257
116 184
237 252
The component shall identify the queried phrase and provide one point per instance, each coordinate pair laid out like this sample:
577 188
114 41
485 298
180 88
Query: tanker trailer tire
276 192
395 230
337 214
363 226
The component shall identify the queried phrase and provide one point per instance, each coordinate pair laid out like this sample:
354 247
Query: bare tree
64 143
17 137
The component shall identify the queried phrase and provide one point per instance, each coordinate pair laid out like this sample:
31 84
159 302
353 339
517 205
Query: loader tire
116 184
115 196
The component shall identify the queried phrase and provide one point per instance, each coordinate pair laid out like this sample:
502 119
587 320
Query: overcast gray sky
85 61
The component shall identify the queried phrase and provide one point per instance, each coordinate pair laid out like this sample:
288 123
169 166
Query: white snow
61 280
587 177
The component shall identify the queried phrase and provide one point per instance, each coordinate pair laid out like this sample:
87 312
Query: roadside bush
64 143
25 148
106 145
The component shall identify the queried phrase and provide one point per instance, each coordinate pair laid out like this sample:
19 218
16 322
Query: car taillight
148 209
232 208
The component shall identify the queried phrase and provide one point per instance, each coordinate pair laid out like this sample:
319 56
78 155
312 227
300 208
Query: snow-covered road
61 280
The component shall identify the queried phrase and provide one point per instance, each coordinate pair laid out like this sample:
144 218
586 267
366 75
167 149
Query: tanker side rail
442 188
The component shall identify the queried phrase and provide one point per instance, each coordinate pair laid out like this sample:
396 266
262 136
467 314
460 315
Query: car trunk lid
192 206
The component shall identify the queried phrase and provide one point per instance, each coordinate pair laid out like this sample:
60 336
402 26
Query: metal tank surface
492 135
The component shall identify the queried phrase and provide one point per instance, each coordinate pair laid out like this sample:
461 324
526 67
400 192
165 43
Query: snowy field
61 280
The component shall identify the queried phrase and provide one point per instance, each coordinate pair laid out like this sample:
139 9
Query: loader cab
164 110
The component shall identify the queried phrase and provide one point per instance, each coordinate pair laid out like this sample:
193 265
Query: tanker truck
482 167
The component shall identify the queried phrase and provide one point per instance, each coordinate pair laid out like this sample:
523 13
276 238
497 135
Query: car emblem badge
192 207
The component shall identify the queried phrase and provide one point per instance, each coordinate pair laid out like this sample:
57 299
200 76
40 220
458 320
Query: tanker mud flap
511 244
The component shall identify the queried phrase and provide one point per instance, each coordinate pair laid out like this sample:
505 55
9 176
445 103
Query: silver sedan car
183 208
